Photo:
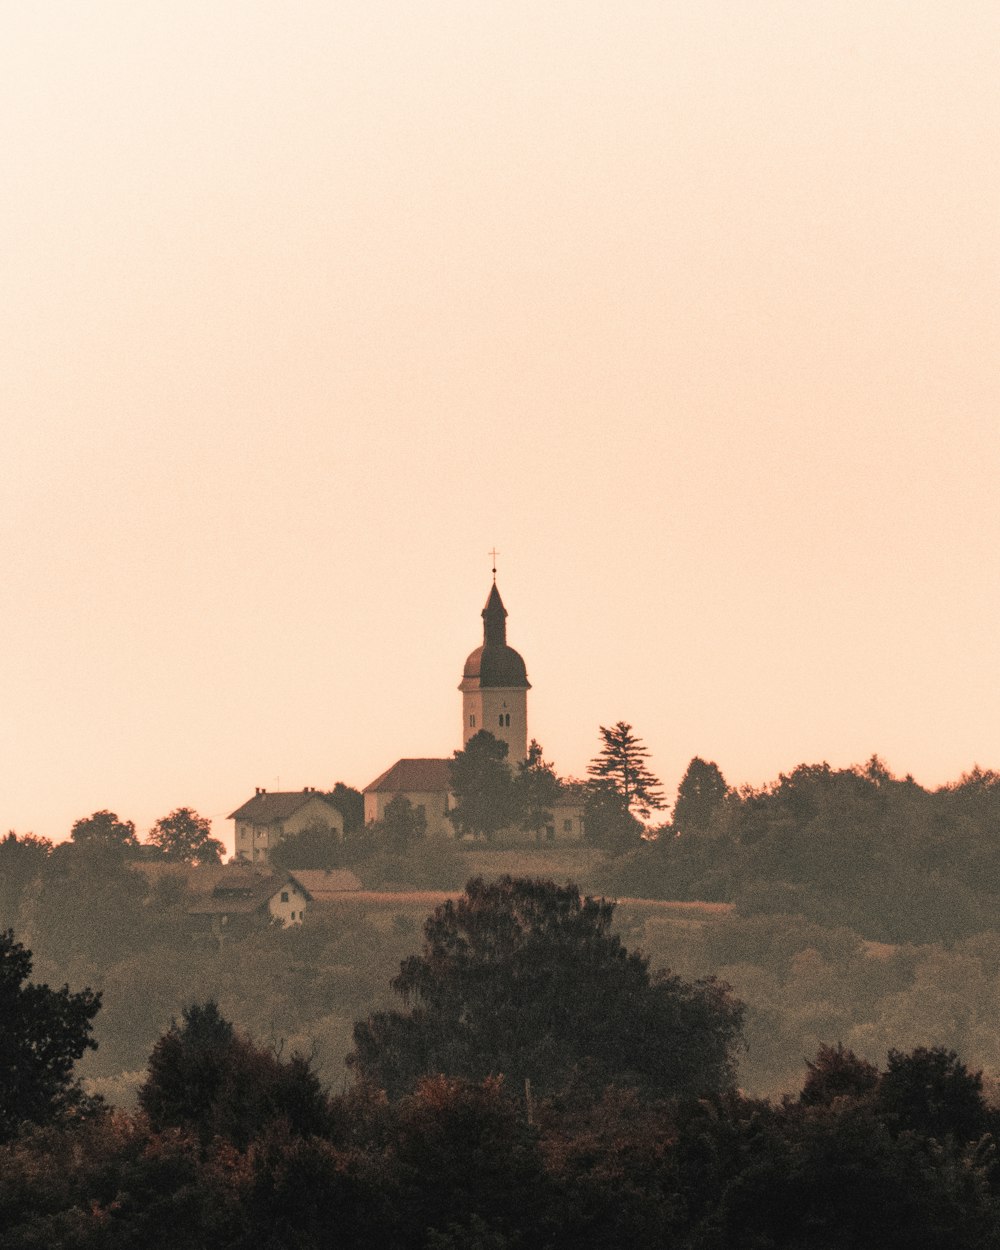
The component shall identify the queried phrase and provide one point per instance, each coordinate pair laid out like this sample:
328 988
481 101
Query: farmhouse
265 819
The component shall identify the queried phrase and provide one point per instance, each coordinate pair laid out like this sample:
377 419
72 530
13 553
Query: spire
494 620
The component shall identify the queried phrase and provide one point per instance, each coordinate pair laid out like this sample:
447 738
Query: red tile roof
265 808
241 891
414 776
320 883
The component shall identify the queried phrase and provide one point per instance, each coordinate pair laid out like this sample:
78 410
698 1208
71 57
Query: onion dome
494 664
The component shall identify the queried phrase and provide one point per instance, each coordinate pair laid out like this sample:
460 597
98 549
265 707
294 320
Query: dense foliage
524 979
237 1146
865 912
185 837
466 1164
43 1032
850 846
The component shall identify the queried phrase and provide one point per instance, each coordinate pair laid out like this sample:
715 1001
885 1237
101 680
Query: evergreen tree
622 763
701 793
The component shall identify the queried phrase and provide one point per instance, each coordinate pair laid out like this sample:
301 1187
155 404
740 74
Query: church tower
495 685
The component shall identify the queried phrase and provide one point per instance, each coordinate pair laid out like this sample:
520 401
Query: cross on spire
494 553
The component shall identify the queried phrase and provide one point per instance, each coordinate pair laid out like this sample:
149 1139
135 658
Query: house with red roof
424 782
269 816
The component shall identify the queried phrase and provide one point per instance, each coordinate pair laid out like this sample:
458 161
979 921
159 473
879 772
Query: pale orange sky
692 309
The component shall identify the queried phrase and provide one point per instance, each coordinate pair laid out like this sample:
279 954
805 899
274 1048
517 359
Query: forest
533 1082
845 915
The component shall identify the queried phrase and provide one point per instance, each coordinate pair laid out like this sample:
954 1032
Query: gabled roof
320 883
414 776
266 807
242 891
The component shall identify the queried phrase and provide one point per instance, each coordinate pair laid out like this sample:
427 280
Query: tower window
501 720
506 720
472 720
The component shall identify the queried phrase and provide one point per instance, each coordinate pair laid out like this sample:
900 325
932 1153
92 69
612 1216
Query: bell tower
495 685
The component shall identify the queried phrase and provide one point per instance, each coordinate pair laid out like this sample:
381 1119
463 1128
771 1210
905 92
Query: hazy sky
690 307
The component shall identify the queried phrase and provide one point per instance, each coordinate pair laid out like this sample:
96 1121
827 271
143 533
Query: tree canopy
483 786
186 837
43 1032
702 791
205 1076
351 805
525 979
537 790
104 829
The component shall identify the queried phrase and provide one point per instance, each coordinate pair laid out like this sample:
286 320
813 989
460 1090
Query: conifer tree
622 762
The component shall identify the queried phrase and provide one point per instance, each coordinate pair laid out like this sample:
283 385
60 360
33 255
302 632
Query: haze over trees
864 912
240 1147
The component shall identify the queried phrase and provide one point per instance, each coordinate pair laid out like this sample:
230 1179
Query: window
472 720
568 825
506 720
501 720
284 898
550 833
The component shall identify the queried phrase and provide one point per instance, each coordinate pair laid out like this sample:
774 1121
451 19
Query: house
424 782
264 820
242 897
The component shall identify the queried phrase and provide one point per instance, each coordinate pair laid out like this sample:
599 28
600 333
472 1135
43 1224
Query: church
494 690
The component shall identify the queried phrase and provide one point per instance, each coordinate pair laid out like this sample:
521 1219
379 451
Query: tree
607 821
622 762
931 1092
22 861
402 824
205 1076
104 829
483 786
700 795
837 1073
525 979
315 846
186 837
42 1034
537 790
351 805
